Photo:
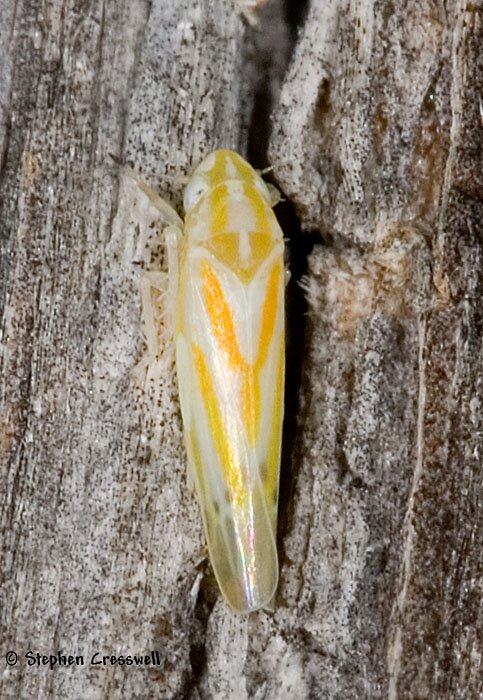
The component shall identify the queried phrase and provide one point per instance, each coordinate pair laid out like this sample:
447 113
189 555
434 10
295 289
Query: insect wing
230 360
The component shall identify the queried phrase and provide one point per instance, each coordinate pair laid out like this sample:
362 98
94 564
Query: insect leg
159 292
168 212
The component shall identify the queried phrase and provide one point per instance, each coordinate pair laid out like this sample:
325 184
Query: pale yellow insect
226 290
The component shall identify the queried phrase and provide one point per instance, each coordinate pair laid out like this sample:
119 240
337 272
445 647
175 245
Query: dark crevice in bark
295 15
299 243
268 53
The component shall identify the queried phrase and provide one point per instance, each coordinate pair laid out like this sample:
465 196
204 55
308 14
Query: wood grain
377 141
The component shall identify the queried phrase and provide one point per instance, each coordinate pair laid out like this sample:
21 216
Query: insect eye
195 189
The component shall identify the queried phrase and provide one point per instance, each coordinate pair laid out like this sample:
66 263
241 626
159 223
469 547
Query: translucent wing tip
244 555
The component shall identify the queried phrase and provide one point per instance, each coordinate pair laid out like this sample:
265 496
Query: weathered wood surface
378 142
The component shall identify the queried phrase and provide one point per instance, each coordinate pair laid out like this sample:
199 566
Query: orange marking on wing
251 402
269 315
224 328
224 449
251 395
221 316
273 455
223 324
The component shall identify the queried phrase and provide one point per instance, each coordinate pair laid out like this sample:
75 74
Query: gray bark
377 140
